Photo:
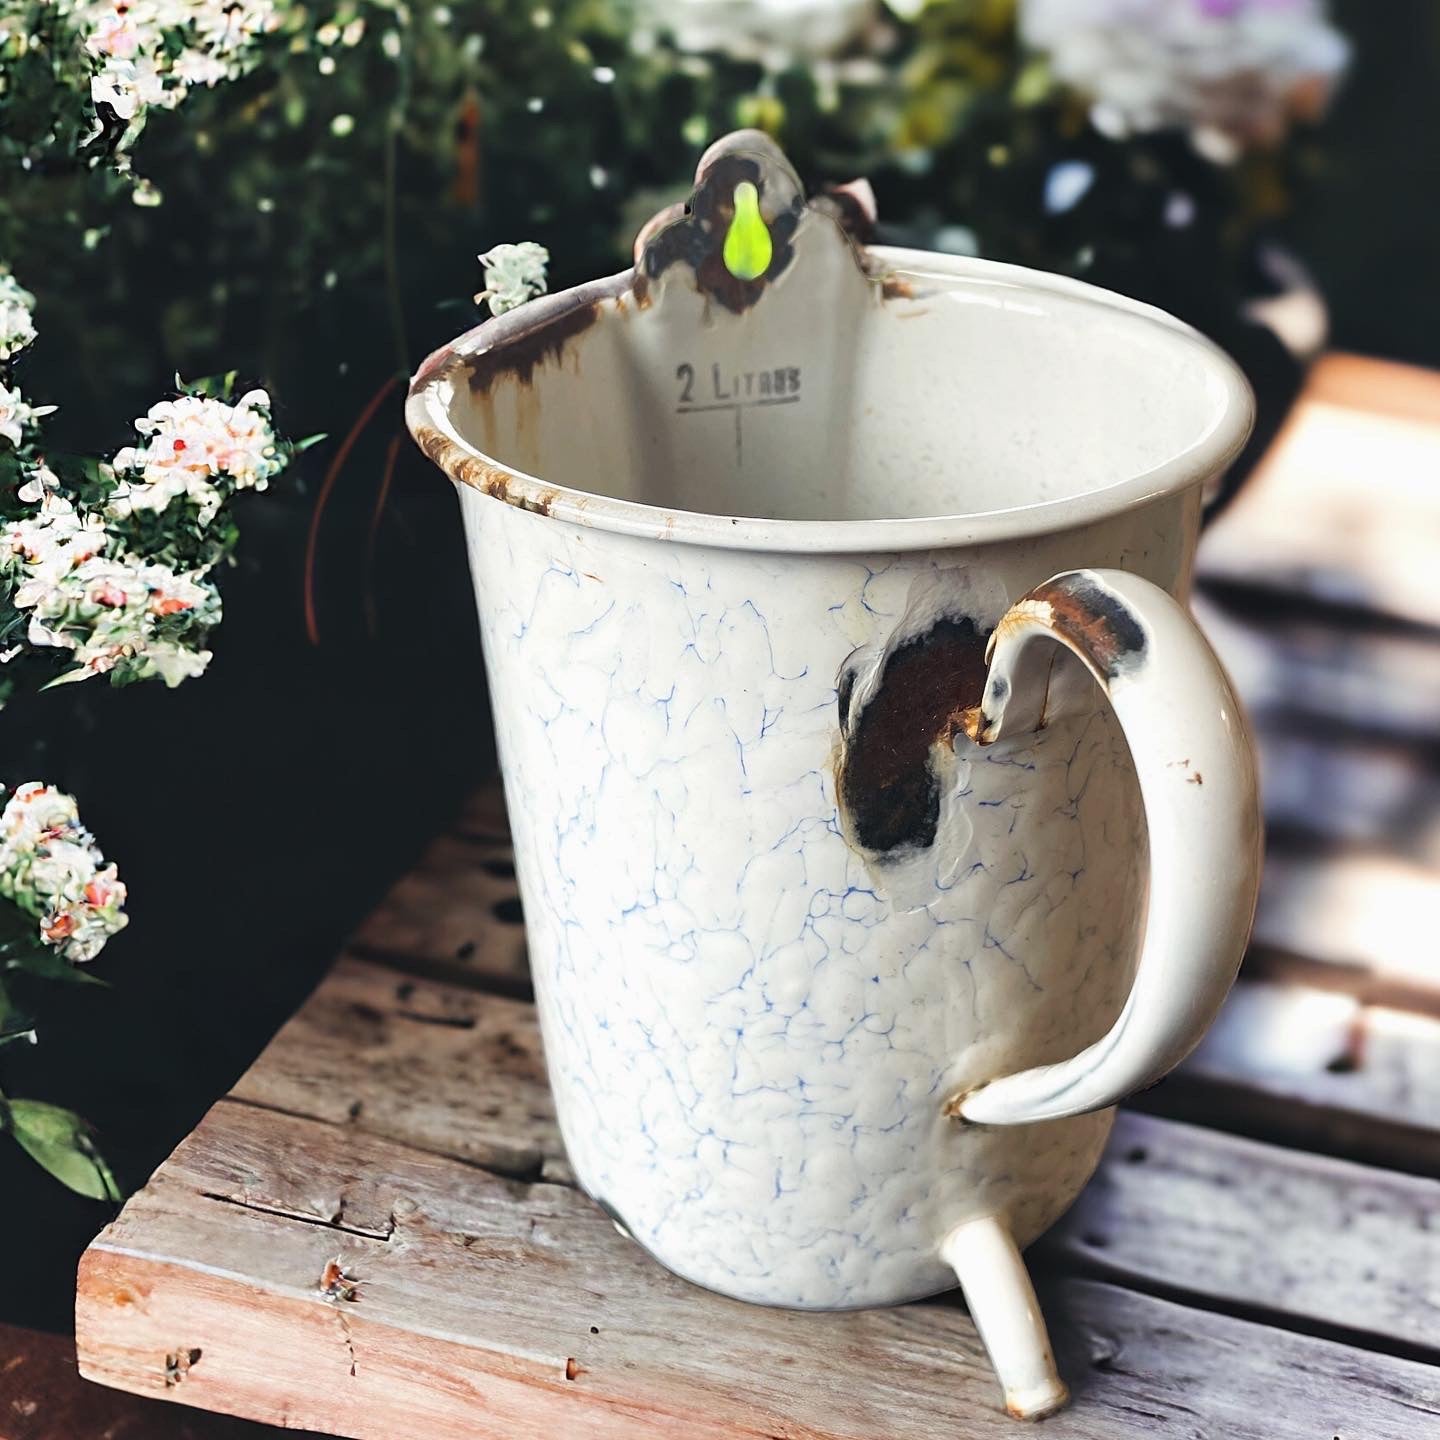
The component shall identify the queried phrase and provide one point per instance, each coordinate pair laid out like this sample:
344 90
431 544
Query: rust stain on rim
471 470
1094 620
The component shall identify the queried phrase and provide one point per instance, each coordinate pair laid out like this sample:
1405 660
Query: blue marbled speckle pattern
750 1028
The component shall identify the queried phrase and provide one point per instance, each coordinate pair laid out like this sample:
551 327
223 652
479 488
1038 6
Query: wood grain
440 1066
1317 1069
1344 507
455 915
492 1308
1250 1226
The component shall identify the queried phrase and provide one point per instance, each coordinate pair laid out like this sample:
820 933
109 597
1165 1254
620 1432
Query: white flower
774 32
512 274
16 413
113 613
17 327
198 447
51 868
1232 72
36 551
152 51
127 86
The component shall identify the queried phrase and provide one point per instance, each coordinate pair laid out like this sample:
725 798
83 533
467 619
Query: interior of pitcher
855 385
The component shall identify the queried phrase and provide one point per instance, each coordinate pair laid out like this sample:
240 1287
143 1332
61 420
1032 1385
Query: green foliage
62 1143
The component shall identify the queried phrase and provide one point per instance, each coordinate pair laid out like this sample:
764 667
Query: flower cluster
116 582
1231 72
512 274
152 52
124 617
16 413
51 868
198 447
17 325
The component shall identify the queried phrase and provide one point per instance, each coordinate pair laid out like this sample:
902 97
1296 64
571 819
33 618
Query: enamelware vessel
881 816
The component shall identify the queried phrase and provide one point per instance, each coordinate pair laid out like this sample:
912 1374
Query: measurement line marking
737 404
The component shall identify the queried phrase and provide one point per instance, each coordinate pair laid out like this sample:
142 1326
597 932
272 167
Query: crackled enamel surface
751 1021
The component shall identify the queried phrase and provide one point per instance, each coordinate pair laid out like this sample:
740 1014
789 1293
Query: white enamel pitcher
881 816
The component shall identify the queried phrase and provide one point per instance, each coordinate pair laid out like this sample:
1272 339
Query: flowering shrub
65 902
101 64
106 573
102 572
1233 73
150 52
51 868
17 321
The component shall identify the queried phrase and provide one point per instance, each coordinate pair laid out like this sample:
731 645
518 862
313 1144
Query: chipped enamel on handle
1193 756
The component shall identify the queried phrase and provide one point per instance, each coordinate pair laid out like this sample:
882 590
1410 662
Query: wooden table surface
376 1234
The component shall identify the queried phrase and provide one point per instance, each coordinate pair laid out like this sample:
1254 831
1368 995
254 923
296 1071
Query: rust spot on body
886 776
896 287
1094 620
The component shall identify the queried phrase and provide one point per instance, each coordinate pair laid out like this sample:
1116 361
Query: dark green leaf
60 1141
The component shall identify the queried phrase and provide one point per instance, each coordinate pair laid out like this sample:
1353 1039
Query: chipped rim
426 413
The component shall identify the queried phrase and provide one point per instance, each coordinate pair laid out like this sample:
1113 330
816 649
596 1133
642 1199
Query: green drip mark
747 242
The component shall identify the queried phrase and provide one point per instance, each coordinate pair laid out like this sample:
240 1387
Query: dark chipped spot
1098 622
896 287
452 1022
843 692
518 356
697 240
335 1284
886 778
846 209
179 1363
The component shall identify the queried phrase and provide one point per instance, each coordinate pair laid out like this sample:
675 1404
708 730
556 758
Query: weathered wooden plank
42 1397
486 1308
440 1066
483 818
1362 914
1344 505
456 913
1244 1224
1371 679
1296 1047
1317 1069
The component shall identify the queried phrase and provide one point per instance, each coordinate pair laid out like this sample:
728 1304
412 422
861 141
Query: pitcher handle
1192 753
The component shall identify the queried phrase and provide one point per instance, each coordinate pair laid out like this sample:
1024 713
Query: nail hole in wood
500 869
508 911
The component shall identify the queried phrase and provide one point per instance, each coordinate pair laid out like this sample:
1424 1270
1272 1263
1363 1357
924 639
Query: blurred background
314 223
